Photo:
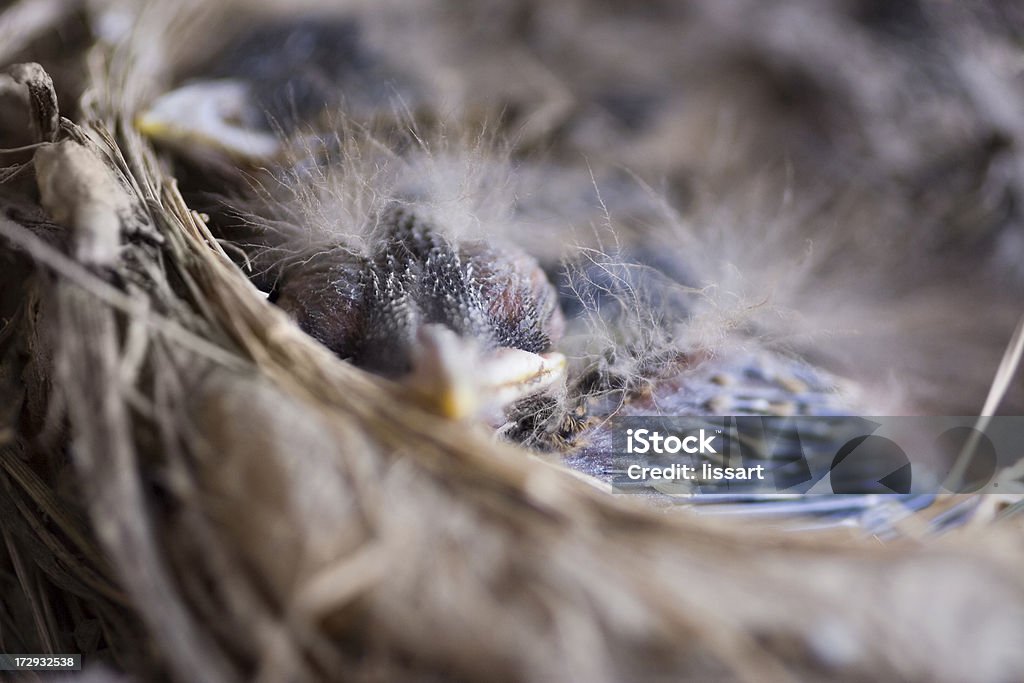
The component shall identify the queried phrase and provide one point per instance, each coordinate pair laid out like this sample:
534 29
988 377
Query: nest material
194 490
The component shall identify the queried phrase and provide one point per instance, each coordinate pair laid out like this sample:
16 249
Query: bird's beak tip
456 403
151 126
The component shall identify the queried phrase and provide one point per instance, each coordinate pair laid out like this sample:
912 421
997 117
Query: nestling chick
278 78
469 327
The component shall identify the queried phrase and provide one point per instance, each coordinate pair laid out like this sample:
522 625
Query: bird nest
196 490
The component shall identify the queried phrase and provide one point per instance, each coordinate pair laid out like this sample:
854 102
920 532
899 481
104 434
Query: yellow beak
207 116
451 378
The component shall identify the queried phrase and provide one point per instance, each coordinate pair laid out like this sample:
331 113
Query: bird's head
468 327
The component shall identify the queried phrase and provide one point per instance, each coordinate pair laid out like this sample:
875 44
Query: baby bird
280 78
468 327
